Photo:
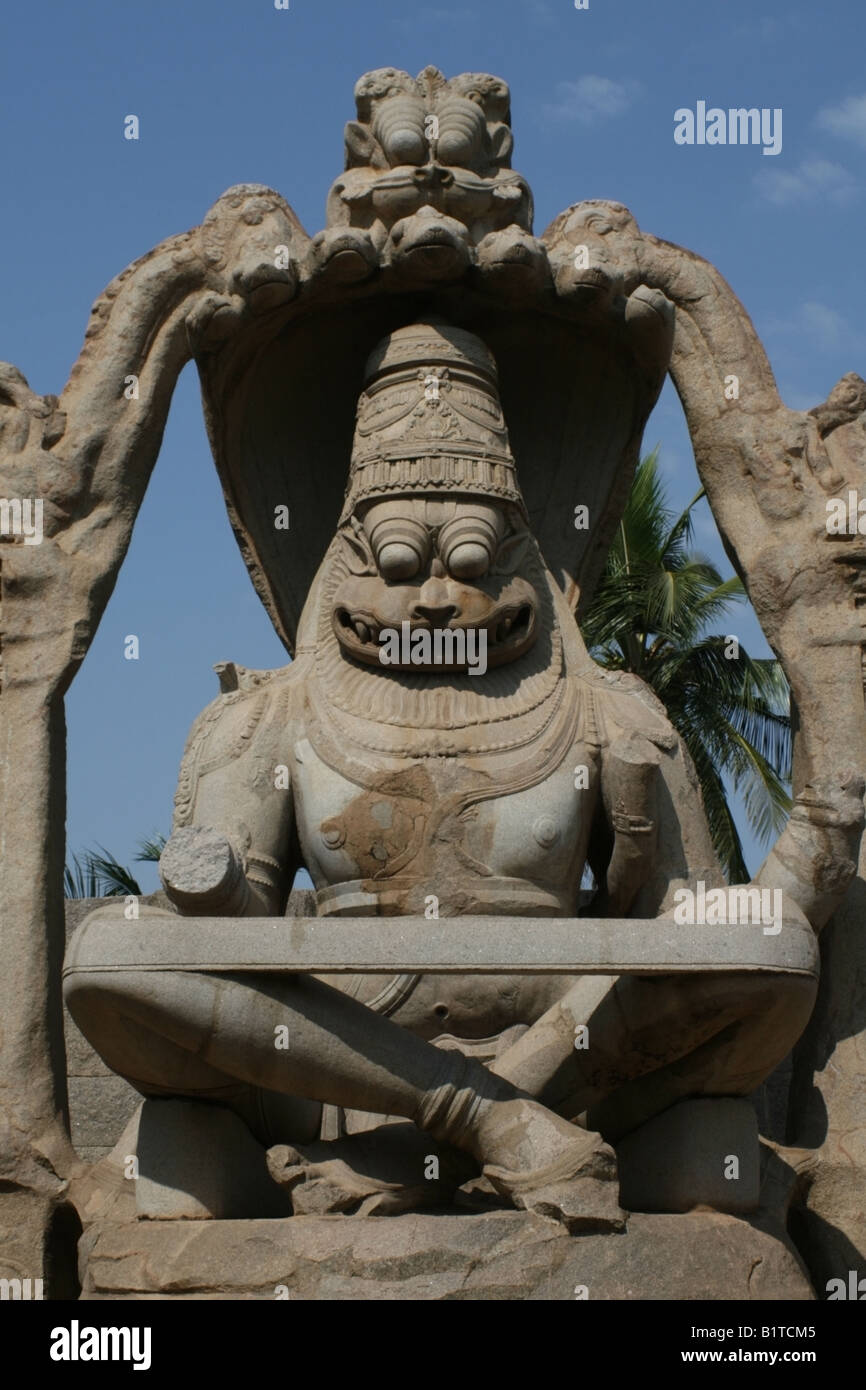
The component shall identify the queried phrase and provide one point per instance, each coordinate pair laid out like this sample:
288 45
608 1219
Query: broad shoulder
624 705
246 699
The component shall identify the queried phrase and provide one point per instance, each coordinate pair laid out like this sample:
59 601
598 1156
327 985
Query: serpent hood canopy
579 362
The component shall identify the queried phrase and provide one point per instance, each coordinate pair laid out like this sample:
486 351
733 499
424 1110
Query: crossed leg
200 1035
653 1040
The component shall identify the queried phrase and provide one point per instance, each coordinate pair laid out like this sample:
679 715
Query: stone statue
420 780
441 754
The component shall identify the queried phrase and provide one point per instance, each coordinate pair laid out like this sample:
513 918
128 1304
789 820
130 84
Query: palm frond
96 874
79 879
150 850
653 613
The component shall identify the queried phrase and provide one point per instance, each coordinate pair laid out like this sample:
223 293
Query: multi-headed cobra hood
428 226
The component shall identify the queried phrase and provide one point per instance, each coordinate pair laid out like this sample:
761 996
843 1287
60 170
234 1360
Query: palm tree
97 874
650 615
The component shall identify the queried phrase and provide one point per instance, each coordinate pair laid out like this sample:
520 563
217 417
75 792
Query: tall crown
430 421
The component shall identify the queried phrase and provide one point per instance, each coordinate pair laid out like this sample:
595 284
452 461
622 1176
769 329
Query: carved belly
471 1006
435 837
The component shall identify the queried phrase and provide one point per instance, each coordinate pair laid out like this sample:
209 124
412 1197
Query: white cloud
820 327
591 98
847 119
814 178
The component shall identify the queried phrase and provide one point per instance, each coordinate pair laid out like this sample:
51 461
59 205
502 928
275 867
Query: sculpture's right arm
230 851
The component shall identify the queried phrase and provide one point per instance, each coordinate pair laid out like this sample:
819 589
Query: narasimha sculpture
490 990
482 792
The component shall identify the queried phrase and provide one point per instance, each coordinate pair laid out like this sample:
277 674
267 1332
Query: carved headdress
430 420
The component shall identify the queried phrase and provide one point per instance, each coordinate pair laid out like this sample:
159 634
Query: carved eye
468 560
397 560
467 546
401 547
398 125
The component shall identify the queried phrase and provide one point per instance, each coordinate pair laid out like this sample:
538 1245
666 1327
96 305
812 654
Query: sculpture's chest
442 817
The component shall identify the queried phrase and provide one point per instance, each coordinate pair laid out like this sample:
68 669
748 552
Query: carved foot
554 1168
212 321
649 317
378 1173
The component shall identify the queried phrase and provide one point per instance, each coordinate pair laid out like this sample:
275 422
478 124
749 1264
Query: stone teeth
361 630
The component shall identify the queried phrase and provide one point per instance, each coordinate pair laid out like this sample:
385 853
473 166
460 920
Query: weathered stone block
420 1257
697 1153
197 1160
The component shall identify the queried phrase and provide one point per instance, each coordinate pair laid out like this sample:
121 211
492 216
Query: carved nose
434 604
439 616
429 175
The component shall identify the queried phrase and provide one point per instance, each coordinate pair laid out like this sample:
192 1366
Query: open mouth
507 634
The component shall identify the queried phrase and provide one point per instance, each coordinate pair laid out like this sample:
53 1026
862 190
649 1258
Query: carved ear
501 144
510 554
361 148
359 556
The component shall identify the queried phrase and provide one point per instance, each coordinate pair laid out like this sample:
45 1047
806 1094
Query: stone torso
501 833
437 827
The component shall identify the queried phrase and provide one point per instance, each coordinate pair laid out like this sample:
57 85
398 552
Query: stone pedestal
698 1153
423 1257
200 1161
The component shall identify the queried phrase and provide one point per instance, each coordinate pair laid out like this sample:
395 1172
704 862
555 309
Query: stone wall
100 1103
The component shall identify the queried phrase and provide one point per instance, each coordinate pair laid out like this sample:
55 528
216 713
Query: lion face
440 567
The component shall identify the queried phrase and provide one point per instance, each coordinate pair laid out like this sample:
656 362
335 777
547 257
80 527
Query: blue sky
229 92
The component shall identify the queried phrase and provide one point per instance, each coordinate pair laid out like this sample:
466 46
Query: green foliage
97 874
79 879
150 850
652 614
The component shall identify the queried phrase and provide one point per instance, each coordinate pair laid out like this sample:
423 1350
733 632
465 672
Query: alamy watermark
729 906
77 1343
846 516
737 126
439 646
21 1289
854 1289
22 516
